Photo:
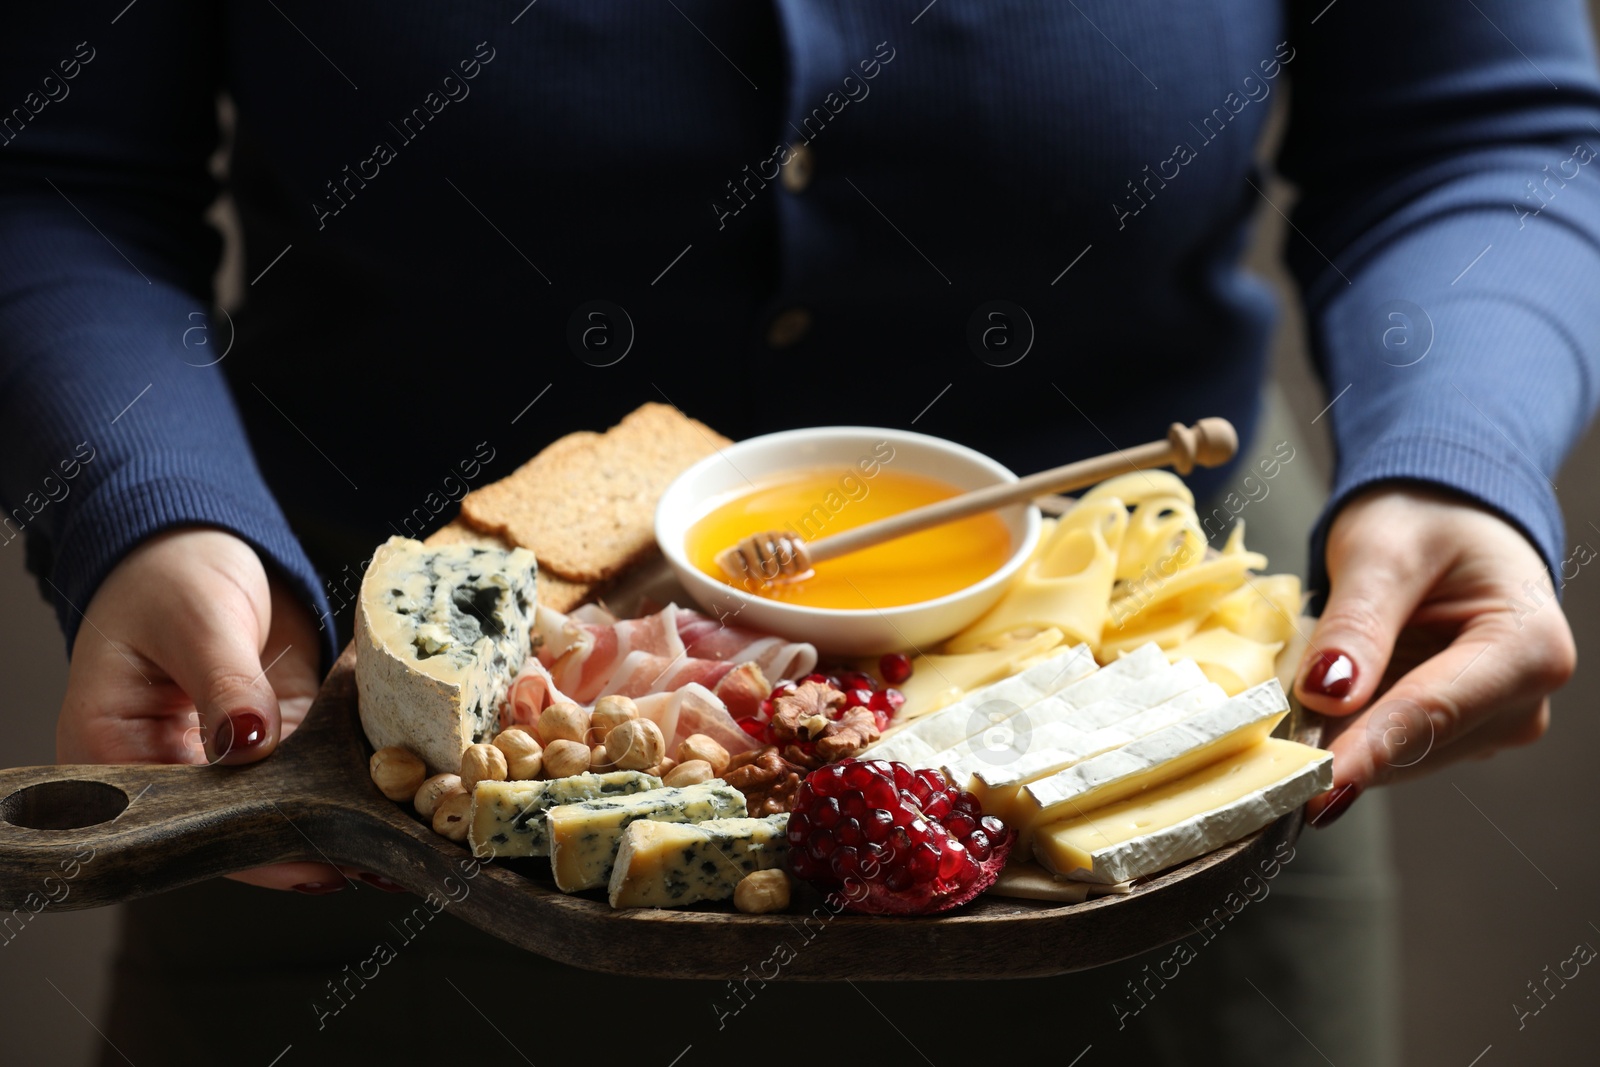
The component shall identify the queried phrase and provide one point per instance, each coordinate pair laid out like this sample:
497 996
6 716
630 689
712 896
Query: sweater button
796 173
788 327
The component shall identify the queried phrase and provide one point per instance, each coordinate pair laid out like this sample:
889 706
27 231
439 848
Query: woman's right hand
190 652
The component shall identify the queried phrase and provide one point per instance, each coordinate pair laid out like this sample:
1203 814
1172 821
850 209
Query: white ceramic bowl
836 630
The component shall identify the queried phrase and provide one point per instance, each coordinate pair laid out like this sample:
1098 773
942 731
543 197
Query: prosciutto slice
705 637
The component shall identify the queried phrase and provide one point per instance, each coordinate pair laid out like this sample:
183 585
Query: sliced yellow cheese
1187 817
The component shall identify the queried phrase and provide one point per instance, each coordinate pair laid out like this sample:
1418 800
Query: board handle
84 836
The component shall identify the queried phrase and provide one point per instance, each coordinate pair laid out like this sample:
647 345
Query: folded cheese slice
1187 817
667 865
917 742
1153 760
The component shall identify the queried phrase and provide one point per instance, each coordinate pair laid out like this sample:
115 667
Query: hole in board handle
66 805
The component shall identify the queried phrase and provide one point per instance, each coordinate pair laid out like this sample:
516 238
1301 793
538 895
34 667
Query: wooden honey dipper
779 556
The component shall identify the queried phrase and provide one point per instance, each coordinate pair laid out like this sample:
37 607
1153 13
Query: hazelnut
699 746
636 745
563 722
453 816
397 772
433 792
762 891
609 713
691 772
564 758
664 768
524 755
599 761
482 763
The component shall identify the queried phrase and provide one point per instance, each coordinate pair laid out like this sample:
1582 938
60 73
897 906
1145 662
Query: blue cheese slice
667 865
584 837
440 633
508 818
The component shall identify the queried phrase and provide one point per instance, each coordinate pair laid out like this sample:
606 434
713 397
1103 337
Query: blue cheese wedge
440 633
508 818
584 837
667 865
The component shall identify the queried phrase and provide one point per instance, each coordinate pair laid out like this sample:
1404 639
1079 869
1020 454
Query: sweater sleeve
1448 245
115 422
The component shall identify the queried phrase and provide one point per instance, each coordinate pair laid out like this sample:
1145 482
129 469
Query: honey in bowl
821 501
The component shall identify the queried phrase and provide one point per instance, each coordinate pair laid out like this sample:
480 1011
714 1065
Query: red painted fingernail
378 881
239 732
1343 797
318 889
1332 674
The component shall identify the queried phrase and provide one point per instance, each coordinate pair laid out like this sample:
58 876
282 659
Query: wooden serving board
155 828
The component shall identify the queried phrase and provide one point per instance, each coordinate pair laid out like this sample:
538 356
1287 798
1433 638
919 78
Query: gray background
1492 893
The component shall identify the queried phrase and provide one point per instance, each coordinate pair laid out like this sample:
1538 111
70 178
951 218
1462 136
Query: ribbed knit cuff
1513 488
118 515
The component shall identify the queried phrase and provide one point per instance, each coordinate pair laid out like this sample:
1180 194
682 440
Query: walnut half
767 780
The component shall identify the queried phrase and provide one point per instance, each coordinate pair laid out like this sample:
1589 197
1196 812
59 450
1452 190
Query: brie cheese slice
1188 817
1158 758
440 633
917 742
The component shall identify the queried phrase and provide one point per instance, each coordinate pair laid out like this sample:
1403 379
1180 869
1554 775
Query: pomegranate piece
895 667
884 839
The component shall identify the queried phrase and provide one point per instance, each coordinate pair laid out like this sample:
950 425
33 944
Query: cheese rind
584 836
1056 723
667 865
1241 722
440 633
916 742
1188 817
508 818
997 788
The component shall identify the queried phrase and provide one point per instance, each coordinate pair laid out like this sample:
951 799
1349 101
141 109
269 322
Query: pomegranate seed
857 680
880 702
992 826
895 667
952 858
821 845
858 698
960 825
848 832
937 807
846 863
826 814
754 727
902 776
900 879
815 677
803 866
857 775
978 845
896 698
924 862
877 825
879 793
929 782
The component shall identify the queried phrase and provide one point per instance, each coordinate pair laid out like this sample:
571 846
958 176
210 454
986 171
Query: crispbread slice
586 505
553 592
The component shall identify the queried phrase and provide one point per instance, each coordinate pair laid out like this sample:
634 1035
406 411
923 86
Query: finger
314 879
293 655
1373 593
212 649
1486 691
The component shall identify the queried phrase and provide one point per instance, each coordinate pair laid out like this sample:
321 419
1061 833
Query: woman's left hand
1441 640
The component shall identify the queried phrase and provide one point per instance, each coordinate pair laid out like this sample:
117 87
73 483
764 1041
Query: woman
468 232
